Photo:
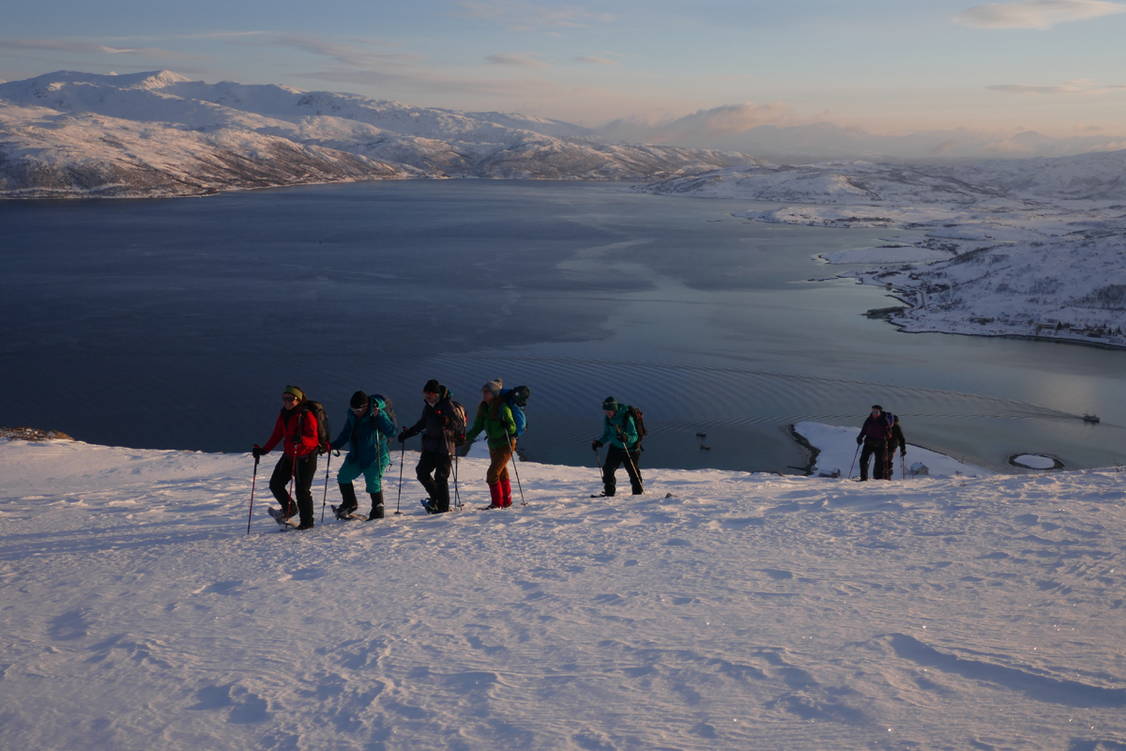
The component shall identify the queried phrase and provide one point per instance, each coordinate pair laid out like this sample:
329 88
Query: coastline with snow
1026 247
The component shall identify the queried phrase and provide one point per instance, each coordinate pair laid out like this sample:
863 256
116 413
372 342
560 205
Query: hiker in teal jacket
620 432
366 432
495 418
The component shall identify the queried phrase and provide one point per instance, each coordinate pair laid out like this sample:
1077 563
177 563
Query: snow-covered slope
743 612
1033 247
81 134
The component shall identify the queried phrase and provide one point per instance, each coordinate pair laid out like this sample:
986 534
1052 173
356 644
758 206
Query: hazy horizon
950 78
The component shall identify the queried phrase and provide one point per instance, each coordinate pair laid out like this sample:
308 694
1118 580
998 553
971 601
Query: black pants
283 471
438 486
878 451
616 457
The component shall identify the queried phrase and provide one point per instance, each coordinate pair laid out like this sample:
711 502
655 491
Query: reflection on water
176 323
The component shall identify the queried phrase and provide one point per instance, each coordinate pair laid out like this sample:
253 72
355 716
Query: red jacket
299 430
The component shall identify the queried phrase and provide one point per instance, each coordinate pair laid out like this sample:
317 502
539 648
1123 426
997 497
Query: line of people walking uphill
301 428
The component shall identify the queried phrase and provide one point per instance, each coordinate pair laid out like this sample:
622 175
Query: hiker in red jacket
296 428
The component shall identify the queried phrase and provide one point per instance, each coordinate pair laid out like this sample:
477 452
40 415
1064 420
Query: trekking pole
457 492
902 466
402 456
853 465
519 485
253 483
629 459
324 500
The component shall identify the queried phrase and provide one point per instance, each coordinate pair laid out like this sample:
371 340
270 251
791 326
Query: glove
257 452
403 436
859 440
336 452
595 445
903 452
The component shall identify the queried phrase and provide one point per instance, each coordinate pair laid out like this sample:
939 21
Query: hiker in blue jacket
619 431
366 433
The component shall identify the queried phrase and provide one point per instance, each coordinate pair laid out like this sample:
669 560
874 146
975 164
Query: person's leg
633 468
865 455
347 473
443 464
426 464
614 458
283 470
373 480
497 472
306 471
879 455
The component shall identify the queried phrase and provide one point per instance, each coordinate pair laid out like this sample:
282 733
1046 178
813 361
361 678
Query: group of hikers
302 430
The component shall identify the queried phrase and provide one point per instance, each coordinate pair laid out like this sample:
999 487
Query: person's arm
383 423
508 420
629 431
345 433
414 429
309 438
607 431
478 425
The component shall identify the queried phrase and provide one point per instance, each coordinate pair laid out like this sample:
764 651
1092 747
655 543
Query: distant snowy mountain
154 134
1019 247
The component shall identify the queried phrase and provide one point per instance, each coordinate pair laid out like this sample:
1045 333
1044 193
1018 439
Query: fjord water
176 324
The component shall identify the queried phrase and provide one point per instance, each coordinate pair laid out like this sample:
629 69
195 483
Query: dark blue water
177 323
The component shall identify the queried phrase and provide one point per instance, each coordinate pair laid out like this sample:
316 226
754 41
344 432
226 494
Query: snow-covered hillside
743 612
152 134
1033 247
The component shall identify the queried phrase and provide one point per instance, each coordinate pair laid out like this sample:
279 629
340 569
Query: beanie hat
359 399
494 386
876 406
296 391
432 387
610 403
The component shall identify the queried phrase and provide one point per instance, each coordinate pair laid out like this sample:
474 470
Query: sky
888 66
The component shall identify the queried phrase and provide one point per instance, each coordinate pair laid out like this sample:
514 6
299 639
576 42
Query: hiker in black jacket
434 465
875 435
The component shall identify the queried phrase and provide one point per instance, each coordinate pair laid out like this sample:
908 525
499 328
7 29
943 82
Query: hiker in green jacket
495 418
620 432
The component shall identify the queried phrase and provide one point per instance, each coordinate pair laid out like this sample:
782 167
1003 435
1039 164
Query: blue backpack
516 399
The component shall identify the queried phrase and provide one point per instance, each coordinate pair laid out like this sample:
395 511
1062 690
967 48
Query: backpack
457 422
517 399
638 422
316 410
388 407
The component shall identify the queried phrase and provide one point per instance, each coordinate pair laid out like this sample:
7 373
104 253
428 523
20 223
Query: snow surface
837 445
1035 461
70 134
745 612
1021 247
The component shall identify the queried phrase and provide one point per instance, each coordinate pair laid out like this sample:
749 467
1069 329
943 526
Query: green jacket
620 424
496 420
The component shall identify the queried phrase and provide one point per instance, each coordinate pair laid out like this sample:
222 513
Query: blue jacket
622 422
367 436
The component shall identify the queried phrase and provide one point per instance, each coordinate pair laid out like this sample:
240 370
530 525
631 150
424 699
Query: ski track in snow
746 612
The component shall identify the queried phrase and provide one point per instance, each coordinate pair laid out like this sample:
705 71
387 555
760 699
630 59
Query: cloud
520 15
81 46
519 60
1036 14
1079 86
595 60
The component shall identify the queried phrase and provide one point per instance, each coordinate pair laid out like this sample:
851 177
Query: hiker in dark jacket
619 431
434 464
296 428
495 418
875 435
365 431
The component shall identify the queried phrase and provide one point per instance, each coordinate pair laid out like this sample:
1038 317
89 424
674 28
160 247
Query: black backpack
638 422
316 410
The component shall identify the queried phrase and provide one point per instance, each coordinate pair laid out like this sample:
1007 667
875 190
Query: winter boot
376 505
495 495
348 504
506 492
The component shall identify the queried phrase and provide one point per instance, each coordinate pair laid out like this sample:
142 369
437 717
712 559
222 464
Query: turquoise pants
373 475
